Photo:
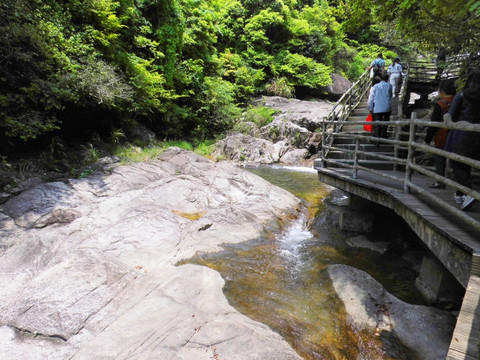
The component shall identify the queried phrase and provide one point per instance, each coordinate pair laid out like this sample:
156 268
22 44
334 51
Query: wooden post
398 129
411 151
324 138
355 158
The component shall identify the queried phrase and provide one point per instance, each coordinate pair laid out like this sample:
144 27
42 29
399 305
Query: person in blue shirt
380 105
395 71
378 66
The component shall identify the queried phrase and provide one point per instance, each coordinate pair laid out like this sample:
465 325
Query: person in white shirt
395 73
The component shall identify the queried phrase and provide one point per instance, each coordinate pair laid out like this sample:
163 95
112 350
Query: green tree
433 24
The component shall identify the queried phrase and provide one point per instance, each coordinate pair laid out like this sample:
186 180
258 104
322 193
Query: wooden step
340 155
370 147
371 164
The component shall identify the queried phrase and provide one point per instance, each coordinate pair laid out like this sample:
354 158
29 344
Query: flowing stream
280 279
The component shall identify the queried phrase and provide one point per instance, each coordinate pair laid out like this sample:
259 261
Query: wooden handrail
412 146
343 108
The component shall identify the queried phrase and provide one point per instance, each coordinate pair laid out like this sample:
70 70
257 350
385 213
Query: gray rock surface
339 86
88 267
246 148
293 130
425 331
361 241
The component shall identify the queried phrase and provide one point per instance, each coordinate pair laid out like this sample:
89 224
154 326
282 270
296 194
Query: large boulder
339 86
371 308
88 267
303 113
246 148
295 130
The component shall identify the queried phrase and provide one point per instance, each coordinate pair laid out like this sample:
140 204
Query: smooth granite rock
425 331
88 268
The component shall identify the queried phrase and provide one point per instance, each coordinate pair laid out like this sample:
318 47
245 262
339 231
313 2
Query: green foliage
89 154
279 87
246 78
429 24
185 68
136 153
301 70
118 136
205 148
260 116
218 111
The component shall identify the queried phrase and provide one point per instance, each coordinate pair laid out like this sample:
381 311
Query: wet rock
424 331
88 267
294 157
4 197
33 204
57 216
30 183
362 241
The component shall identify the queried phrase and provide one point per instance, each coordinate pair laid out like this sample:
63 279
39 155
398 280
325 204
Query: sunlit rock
295 131
88 267
425 331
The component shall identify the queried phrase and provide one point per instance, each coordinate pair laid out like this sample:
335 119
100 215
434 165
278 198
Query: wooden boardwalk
451 235
462 240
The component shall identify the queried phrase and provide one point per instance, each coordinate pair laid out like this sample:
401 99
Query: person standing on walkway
377 66
446 92
441 62
465 107
395 72
380 105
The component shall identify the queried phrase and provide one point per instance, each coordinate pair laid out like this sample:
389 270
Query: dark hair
448 87
380 55
384 77
396 60
471 91
376 80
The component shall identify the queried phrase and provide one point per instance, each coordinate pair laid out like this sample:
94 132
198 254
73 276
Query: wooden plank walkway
461 233
466 338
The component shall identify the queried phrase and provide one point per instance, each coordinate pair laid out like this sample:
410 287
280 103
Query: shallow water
281 279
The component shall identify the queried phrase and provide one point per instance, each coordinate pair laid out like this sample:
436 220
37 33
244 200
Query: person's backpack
376 67
440 137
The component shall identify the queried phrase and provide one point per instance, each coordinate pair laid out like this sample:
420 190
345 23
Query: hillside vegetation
186 69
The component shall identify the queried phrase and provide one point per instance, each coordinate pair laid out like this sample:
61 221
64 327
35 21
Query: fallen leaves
140 267
190 216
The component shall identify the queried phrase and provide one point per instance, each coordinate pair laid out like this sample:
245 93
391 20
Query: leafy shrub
217 108
245 78
279 87
102 84
205 147
300 70
260 116
89 154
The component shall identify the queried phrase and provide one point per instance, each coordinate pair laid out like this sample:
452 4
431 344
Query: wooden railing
413 146
425 71
343 108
